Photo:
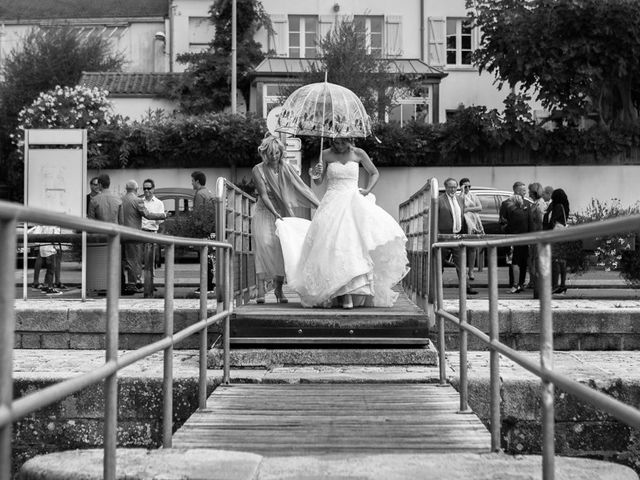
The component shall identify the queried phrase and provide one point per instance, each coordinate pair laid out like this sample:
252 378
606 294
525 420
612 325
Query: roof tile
67 9
128 84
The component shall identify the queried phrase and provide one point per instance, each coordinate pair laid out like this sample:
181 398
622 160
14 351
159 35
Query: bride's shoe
347 302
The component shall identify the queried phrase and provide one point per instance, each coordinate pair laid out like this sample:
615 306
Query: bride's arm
262 191
371 169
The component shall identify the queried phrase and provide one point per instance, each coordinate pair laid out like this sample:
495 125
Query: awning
281 66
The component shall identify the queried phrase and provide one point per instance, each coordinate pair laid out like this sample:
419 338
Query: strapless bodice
342 175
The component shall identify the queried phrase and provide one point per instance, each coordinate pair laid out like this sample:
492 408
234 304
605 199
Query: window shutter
436 35
279 38
393 35
325 26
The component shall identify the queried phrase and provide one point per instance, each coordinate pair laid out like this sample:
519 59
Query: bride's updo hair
269 146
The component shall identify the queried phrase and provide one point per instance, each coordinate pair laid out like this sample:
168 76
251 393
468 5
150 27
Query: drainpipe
172 28
234 60
422 30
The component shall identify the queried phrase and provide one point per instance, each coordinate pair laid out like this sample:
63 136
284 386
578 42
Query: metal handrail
233 224
623 412
13 410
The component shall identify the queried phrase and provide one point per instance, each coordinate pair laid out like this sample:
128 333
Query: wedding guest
538 209
556 216
516 217
472 207
279 190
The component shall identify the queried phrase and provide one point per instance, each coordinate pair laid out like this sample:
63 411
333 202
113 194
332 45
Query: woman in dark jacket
517 217
557 214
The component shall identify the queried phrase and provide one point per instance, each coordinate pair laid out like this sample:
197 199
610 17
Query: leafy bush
65 107
613 252
213 139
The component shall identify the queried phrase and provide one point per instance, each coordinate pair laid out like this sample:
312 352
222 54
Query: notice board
56 170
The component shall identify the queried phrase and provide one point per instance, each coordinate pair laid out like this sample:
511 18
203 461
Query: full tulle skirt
352 246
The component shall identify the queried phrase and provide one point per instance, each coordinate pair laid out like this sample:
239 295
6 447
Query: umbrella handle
312 170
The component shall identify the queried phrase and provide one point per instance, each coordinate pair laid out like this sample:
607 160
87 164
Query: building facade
428 38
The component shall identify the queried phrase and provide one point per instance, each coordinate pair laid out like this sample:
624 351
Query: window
272 96
488 203
369 30
201 32
303 32
413 105
459 38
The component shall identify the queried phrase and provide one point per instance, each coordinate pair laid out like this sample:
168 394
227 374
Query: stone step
139 464
327 355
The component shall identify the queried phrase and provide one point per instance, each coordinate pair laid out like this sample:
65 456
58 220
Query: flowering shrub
65 107
613 252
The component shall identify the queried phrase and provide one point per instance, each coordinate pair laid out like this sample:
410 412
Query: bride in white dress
353 249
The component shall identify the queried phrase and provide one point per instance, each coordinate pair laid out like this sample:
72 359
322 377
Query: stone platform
579 324
200 464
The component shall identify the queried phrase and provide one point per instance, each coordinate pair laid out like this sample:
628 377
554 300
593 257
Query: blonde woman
279 190
472 207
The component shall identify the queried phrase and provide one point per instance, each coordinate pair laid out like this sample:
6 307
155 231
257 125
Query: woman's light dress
268 257
352 246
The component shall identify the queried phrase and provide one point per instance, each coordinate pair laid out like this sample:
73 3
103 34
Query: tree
345 60
48 57
206 85
581 56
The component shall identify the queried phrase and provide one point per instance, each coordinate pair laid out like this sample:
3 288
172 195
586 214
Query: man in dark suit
451 220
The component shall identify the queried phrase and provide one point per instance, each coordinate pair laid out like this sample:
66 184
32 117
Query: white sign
272 120
294 144
295 160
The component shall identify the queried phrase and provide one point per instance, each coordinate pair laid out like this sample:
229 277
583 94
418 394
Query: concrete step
328 355
200 464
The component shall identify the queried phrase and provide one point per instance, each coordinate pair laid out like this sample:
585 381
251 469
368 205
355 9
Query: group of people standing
131 211
529 209
350 254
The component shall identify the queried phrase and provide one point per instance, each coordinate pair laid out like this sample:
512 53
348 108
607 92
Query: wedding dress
352 246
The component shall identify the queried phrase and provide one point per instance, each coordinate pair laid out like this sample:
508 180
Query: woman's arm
320 168
474 205
262 191
371 169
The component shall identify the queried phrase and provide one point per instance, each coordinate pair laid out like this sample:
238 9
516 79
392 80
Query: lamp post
234 72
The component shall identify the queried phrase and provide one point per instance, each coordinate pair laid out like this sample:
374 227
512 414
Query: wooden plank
281 419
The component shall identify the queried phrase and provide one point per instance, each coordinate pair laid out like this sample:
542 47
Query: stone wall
77 422
601 327
80 327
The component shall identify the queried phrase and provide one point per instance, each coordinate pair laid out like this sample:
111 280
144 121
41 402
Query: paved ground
595 284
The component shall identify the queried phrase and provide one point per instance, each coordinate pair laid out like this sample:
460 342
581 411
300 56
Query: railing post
221 236
202 374
7 335
462 293
111 356
167 379
228 291
546 360
494 356
439 306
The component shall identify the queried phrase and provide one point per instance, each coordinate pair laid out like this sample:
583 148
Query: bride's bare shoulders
352 155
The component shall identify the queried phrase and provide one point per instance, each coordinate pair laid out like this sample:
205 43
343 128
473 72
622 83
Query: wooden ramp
299 419
274 323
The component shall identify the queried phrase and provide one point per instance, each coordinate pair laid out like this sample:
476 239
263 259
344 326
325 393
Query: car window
488 203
